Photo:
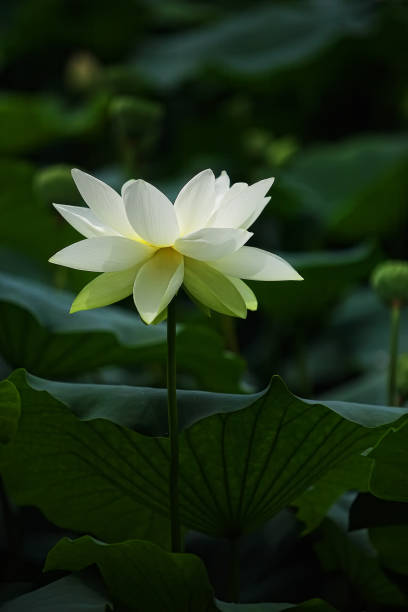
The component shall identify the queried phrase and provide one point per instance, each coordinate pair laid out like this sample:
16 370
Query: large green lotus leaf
261 39
32 121
38 333
139 575
351 555
10 410
70 594
242 458
354 189
327 276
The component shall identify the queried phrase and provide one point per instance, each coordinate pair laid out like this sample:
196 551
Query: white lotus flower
145 245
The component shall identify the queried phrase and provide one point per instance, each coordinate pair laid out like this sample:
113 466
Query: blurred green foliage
306 90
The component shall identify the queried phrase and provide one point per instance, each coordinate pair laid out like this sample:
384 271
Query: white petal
258 210
256 264
233 191
103 201
222 200
84 221
236 209
246 292
212 243
151 214
213 289
222 185
126 185
105 289
157 282
103 254
195 202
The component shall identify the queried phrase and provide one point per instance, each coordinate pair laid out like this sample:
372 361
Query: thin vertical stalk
229 331
392 366
173 427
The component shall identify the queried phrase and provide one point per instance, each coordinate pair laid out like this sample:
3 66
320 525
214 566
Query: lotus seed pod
135 114
402 375
54 184
390 281
136 122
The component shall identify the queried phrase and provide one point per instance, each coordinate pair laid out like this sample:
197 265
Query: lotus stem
392 366
173 428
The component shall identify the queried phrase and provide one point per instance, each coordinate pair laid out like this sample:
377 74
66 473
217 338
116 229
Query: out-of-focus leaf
30 225
359 336
240 466
70 594
356 189
32 121
139 575
37 332
261 39
365 388
327 276
340 552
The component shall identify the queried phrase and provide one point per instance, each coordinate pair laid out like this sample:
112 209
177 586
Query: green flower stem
173 427
392 367
234 573
229 332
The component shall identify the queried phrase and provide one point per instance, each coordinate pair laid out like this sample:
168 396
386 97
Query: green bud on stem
390 281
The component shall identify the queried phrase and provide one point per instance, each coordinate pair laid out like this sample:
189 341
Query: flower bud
402 375
54 184
390 281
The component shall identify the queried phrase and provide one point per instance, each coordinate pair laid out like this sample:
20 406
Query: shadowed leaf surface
351 555
70 594
140 575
